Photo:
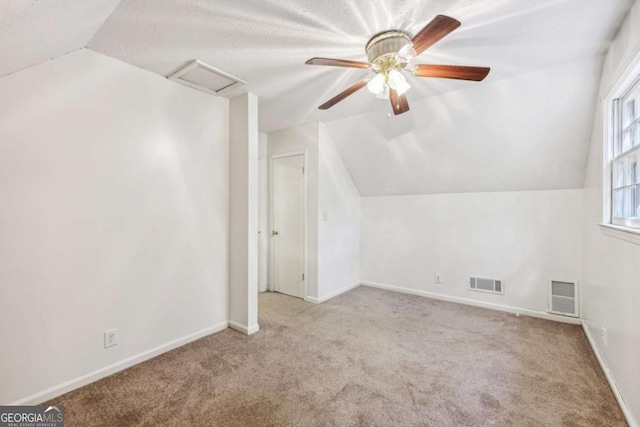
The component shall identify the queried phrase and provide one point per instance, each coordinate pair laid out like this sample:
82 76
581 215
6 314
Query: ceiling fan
390 54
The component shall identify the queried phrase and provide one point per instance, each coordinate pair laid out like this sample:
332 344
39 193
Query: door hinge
303 170
303 276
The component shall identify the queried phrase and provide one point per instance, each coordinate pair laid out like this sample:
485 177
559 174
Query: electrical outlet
605 338
438 279
110 338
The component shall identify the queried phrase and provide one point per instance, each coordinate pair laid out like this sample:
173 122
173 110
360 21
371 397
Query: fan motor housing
385 44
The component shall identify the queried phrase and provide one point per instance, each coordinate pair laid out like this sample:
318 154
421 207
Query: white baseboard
247 330
612 382
492 306
60 389
333 294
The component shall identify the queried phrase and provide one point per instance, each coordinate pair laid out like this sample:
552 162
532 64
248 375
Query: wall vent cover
481 284
563 298
204 77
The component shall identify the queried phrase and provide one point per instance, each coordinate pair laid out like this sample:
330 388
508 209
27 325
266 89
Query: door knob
274 233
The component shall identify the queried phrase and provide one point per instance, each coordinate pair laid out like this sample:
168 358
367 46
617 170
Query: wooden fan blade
342 95
337 63
451 72
434 31
398 102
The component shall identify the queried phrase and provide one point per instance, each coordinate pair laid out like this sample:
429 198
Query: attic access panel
204 77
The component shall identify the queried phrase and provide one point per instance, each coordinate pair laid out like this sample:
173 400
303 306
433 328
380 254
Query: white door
288 224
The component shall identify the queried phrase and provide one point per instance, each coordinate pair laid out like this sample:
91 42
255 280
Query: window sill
629 234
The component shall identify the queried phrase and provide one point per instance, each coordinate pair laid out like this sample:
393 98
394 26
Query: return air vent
481 284
198 75
563 298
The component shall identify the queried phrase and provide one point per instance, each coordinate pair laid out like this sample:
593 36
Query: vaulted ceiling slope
527 132
266 43
33 31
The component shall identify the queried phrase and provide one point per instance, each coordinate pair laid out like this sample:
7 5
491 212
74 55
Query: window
624 153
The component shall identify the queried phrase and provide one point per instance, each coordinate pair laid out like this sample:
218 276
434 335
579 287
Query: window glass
618 174
618 203
632 172
629 113
616 141
622 168
632 202
626 139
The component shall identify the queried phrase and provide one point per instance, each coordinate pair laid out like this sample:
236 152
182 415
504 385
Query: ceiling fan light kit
386 44
390 54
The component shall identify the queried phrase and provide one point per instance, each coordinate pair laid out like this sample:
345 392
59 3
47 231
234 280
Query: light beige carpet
368 358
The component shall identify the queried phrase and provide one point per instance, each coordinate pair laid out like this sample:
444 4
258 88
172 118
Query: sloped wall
529 131
340 222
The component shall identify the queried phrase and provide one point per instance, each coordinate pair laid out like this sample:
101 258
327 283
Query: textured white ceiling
526 127
33 31
266 42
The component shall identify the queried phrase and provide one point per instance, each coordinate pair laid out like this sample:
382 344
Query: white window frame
625 228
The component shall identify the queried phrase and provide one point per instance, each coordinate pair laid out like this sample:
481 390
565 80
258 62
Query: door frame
273 157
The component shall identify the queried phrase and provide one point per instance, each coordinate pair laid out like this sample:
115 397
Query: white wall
114 189
524 238
611 291
340 222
